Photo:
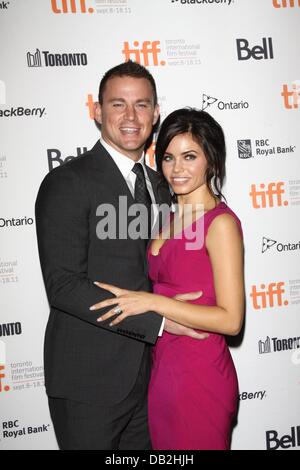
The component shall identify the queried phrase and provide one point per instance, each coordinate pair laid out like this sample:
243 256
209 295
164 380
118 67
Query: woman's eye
167 158
190 157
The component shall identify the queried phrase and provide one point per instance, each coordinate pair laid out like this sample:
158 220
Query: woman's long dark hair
207 133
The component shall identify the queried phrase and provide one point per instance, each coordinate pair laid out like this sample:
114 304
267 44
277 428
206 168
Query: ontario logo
268 243
208 101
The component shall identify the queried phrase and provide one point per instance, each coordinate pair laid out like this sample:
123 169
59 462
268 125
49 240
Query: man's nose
130 112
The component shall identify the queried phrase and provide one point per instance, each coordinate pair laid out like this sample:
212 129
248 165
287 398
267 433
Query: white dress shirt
125 165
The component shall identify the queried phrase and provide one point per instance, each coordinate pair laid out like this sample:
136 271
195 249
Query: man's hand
180 330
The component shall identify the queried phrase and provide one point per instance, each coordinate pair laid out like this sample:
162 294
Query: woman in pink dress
193 388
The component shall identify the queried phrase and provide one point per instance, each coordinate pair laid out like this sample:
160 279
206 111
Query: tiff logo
268 197
268 297
141 55
70 6
2 92
286 3
34 60
291 97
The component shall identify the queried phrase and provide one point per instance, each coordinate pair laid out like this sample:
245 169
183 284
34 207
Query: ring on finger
118 310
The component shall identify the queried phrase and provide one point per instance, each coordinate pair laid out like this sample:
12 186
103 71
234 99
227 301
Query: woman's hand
126 303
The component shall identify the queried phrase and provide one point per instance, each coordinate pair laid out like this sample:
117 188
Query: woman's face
184 164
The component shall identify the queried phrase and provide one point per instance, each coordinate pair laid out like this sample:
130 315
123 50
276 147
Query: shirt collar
124 163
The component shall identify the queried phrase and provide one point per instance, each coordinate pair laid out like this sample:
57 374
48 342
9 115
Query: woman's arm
225 248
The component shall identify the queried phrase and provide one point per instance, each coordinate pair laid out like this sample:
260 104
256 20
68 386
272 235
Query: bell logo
257 52
2 376
268 297
286 3
268 197
291 98
141 55
70 6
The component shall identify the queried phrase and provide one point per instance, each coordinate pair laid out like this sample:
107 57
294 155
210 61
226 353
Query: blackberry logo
203 2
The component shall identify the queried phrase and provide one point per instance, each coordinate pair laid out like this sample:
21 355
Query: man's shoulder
77 166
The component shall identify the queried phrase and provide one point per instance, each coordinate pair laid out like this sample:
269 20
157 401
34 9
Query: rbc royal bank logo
244 148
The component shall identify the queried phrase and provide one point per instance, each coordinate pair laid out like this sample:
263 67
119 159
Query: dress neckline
221 204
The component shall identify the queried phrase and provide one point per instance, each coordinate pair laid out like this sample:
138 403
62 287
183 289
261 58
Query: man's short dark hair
127 69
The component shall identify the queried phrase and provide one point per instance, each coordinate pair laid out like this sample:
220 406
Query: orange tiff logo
286 3
268 296
90 104
271 197
70 6
2 376
143 54
291 97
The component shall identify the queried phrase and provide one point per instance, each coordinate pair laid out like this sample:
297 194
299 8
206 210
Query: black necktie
141 193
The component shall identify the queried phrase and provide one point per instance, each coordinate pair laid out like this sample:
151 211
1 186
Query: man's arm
62 220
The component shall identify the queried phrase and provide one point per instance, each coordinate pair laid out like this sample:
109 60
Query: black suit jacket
85 360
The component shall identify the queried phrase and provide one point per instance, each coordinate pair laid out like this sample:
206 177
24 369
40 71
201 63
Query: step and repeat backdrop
237 59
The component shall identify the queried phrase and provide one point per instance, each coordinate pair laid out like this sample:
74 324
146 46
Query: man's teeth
130 130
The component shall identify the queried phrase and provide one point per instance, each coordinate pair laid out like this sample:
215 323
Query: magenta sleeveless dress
193 389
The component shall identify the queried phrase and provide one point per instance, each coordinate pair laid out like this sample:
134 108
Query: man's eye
117 105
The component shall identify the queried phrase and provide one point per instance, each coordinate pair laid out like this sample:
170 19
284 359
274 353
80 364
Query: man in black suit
97 375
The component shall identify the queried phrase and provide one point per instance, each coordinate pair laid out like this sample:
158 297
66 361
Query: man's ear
98 112
156 114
